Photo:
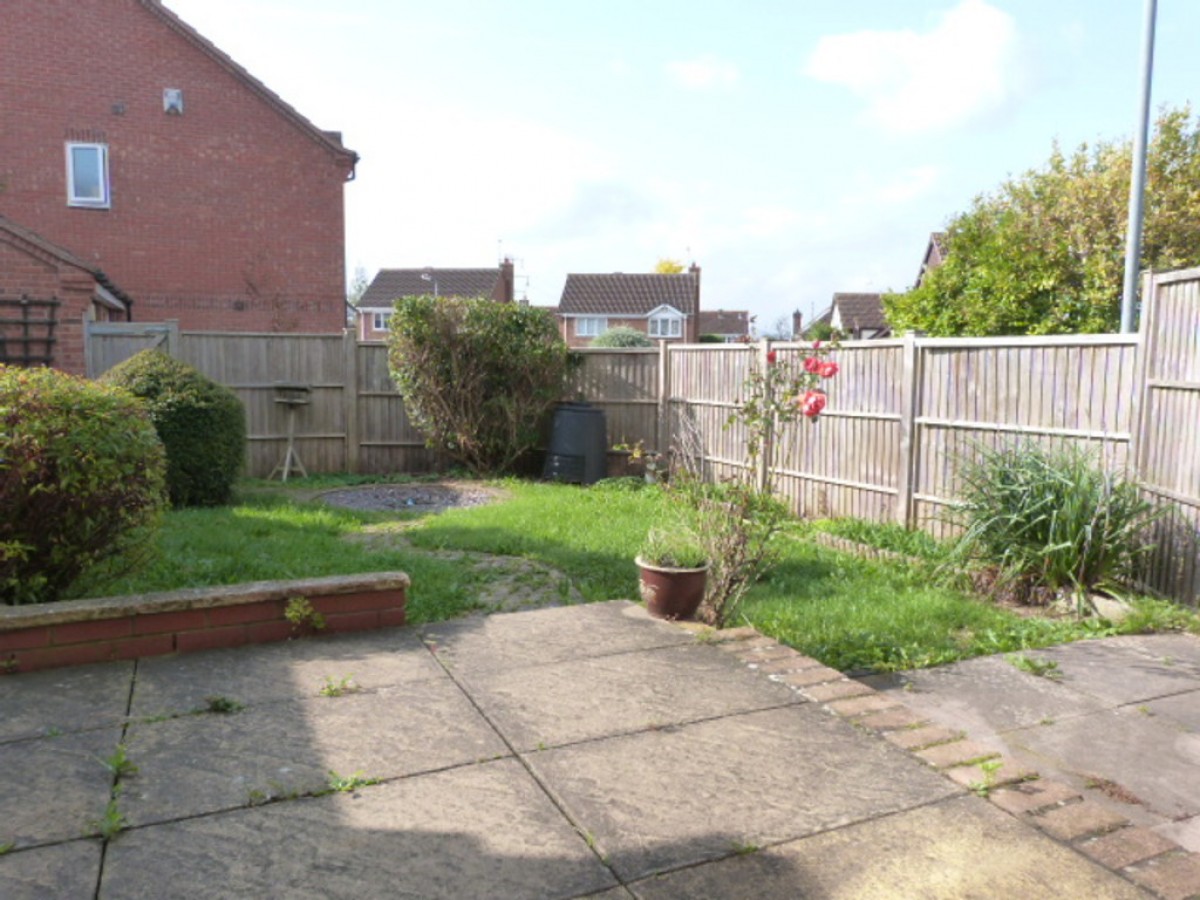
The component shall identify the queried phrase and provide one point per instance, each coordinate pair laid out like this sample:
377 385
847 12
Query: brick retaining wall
75 632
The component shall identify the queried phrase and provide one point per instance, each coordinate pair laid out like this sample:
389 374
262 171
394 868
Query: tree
358 286
780 331
668 266
1044 254
622 336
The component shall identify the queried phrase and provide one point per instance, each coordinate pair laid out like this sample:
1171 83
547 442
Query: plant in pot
672 572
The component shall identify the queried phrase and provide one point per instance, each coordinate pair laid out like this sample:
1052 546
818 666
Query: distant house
375 306
47 295
664 307
856 316
135 145
935 255
731 325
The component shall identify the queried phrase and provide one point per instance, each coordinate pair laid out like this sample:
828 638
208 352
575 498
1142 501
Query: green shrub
478 377
622 336
201 424
81 481
1052 518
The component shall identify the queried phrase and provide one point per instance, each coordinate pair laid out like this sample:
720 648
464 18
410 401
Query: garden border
76 632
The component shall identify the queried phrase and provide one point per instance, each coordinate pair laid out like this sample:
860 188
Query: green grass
886 537
850 613
267 536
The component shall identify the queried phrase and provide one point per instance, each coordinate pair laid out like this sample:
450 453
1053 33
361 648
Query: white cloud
704 73
966 66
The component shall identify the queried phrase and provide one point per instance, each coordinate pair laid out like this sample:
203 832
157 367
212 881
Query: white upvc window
379 321
590 326
87 175
666 326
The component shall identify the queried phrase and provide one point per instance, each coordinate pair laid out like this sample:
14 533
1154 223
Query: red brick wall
227 217
29 271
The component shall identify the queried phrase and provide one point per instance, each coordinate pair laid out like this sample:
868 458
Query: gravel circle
411 497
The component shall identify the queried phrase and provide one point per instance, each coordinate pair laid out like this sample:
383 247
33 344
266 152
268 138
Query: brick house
731 325
856 316
47 294
388 285
136 145
935 255
664 307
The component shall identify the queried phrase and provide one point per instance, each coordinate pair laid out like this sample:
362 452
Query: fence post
350 397
910 407
663 437
766 452
173 346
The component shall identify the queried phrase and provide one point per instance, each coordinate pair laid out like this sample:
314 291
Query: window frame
104 201
674 327
591 326
379 321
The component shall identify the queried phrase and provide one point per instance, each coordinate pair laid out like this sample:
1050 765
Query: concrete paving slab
1181 711
557 634
1120 671
37 703
57 872
54 786
987 696
565 702
482 831
957 848
1157 763
205 763
661 799
288 670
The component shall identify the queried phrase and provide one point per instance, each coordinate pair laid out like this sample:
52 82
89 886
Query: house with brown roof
935 255
663 307
135 145
47 297
389 285
730 325
856 316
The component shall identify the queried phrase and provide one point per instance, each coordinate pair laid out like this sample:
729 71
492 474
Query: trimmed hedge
81 481
201 423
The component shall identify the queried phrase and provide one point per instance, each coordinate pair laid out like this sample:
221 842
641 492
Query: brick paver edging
74 632
1150 860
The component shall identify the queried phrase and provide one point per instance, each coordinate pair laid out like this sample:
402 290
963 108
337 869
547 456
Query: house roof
618 294
724 321
389 284
109 292
860 311
332 140
935 254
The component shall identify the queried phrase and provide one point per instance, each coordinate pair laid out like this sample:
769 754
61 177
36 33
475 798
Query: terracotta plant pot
671 593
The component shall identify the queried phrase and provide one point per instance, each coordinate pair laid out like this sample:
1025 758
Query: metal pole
1137 181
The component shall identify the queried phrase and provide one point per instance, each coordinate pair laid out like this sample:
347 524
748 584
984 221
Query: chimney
797 325
507 294
694 271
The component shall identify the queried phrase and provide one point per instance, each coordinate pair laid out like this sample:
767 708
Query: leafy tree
478 377
358 286
622 336
1044 253
668 266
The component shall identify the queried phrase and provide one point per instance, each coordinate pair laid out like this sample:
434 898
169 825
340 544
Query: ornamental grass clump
81 482
1051 520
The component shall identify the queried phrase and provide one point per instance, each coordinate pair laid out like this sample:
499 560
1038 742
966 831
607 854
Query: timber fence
901 414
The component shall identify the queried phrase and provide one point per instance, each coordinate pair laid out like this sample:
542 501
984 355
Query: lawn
849 613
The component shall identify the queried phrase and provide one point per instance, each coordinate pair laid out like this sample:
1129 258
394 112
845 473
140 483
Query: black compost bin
577 451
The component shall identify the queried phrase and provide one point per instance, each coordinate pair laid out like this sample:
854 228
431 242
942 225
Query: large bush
201 424
478 377
81 480
621 336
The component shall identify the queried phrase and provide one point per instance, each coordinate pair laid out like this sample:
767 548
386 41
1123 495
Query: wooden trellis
27 331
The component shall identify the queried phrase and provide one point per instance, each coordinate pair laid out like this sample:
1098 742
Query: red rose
816 345
771 358
812 403
812 364
828 369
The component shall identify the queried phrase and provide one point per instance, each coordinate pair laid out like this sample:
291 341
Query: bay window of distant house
590 326
666 327
87 175
379 321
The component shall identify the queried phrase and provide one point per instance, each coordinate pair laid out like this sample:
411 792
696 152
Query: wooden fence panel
624 384
388 441
1168 451
108 343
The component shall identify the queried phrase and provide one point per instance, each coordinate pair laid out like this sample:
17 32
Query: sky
790 148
